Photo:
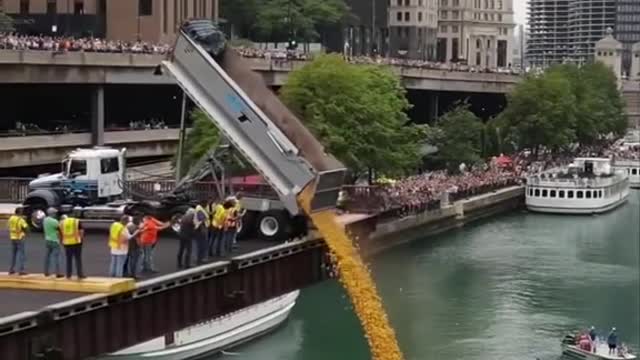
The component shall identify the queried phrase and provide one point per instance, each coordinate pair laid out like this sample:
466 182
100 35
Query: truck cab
88 177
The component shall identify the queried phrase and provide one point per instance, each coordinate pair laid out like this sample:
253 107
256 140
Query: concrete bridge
44 67
50 149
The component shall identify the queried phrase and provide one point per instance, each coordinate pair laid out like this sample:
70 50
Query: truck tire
35 210
247 225
273 225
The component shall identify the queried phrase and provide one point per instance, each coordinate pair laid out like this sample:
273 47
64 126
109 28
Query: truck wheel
273 225
35 212
246 225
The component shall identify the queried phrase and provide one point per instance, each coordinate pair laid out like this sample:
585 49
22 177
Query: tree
542 112
357 112
202 136
241 14
461 137
567 105
297 19
6 23
599 102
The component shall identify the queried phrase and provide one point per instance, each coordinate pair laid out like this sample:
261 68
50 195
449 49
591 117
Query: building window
544 193
399 16
420 16
24 7
443 15
51 7
570 194
500 17
78 7
456 2
561 194
486 16
579 194
406 16
454 29
455 14
145 7
493 4
419 2
499 4
444 3
537 193
443 29
587 194
486 4
552 193
399 2
407 2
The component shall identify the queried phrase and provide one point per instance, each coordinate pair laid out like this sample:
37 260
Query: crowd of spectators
87 44
425 191
91 44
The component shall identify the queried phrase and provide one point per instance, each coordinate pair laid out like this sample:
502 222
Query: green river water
506 288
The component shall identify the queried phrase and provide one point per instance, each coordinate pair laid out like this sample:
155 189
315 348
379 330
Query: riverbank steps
357 281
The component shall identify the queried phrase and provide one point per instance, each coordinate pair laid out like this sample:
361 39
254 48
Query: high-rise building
567 30
588 23
548 38
627 28
479 32
413 26
129 20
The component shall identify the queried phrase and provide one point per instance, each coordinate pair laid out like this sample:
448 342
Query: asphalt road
95 258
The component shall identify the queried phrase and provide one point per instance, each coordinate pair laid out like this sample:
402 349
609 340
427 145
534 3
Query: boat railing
626 162
573 182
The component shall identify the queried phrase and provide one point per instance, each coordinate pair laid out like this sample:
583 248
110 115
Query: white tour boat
214 335
632 168
586 186
573 350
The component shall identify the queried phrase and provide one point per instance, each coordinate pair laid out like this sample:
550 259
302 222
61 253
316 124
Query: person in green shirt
51 229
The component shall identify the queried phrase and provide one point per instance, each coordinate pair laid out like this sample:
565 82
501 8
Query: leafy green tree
6 23
202 136
461 137
358 113
542 112
242 15
299 19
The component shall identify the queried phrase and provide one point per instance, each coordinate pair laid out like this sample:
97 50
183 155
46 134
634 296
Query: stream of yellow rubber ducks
358 283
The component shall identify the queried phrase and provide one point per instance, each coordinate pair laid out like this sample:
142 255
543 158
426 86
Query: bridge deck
95 256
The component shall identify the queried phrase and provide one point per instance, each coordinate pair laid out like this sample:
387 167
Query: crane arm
289 158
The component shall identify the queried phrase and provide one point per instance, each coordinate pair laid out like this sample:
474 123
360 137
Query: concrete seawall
373 237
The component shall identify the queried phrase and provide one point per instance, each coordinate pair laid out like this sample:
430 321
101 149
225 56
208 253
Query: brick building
149 20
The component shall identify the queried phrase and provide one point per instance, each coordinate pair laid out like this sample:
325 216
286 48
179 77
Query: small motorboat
213 336
598 350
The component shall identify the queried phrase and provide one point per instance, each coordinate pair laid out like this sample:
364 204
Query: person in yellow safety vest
17 232
72 236
214 227
201 223
119 244
230 224
239 213
218 224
